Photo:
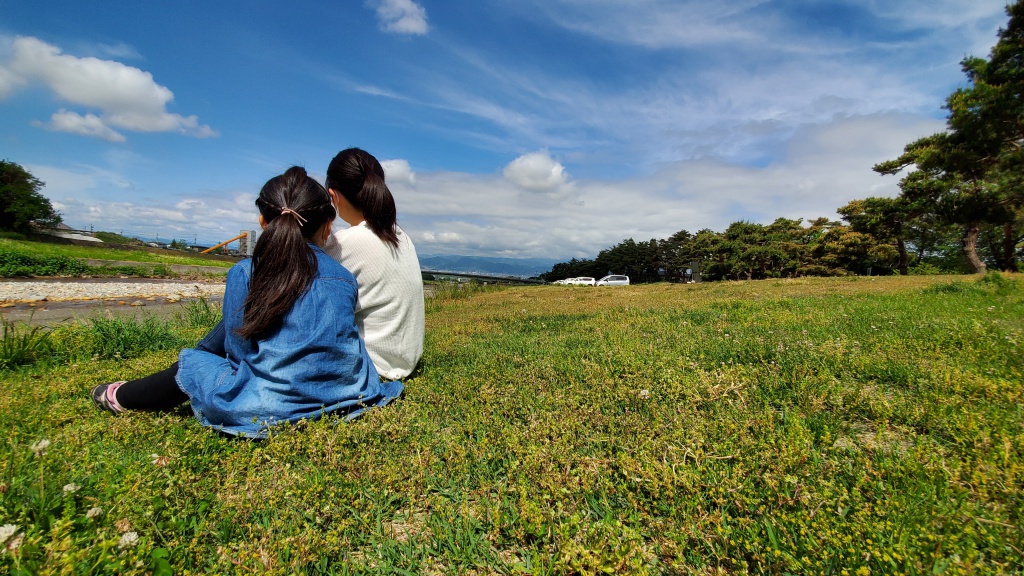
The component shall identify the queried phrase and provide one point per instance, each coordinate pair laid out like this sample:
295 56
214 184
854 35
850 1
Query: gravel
59 291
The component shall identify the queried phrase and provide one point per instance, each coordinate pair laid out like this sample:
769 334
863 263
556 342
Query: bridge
513 280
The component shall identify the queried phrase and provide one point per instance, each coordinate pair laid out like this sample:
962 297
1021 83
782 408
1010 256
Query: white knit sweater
389 313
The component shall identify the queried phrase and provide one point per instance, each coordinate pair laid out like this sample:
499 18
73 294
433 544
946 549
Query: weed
449 291
117 338
21 345
998 282
127 337
953 287
198 314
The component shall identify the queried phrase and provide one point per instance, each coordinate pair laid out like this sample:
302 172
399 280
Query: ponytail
294 208
359 177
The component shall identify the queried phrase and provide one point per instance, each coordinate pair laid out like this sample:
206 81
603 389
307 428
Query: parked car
614 280
582 281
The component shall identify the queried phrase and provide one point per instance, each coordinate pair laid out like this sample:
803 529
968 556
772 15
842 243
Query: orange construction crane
212 248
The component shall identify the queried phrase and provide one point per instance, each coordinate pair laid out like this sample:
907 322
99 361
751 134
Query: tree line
21 204
960 207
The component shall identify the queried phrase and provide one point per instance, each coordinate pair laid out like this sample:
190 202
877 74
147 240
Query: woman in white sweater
389 311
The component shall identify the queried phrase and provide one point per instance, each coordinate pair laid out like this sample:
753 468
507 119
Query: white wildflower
94 512
71 488
645 394
8 540
40 447
15 542
128 539
6 531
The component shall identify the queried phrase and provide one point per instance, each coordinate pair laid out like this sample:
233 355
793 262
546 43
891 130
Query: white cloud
737 114
9 82
88 125
64 182
127 98
120 51
375 91
671 24
822 168
398 171
536 171
656 23
217 216
939 14
401 16
108 200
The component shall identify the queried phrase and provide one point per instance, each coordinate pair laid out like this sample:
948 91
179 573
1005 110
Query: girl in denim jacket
288 347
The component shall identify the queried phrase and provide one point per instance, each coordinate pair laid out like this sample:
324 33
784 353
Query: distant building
247 243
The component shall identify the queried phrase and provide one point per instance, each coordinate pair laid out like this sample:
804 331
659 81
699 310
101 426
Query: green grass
100 338
49 251
16 263
114 238
795 426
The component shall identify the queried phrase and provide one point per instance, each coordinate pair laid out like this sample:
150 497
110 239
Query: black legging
154 392
160 391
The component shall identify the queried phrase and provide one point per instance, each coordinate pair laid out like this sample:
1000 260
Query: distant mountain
518 267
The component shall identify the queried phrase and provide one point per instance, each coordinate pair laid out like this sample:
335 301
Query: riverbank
55 301
58 300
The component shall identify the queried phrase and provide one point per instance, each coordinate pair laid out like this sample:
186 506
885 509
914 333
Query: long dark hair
359 177
294 208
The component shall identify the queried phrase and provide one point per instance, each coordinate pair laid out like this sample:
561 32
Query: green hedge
14 264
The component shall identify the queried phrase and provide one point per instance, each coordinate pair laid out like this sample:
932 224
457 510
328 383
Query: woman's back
389 311
312 363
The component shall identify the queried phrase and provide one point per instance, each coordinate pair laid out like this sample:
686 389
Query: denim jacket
315 363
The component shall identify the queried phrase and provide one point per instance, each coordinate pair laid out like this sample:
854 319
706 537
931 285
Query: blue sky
550 128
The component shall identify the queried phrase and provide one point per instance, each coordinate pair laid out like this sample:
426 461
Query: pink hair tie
293 213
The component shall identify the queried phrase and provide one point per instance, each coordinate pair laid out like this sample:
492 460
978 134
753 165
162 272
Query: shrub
112 238
947 288
142 271
997 282
926 269
14 264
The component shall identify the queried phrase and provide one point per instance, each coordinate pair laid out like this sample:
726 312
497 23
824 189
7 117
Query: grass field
819 426
44 259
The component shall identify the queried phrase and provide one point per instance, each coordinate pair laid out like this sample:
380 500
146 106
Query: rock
138 303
